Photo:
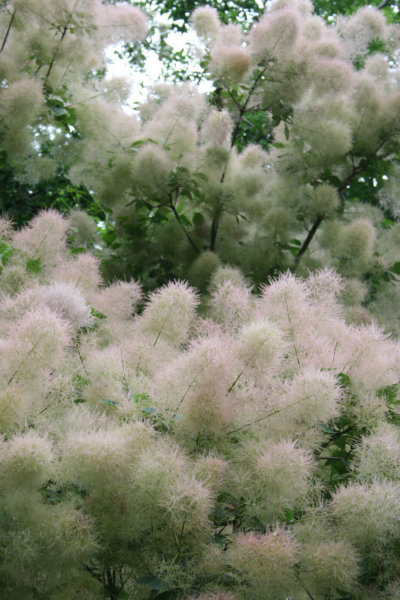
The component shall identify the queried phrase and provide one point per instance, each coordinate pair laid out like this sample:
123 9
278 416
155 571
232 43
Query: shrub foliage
247 449
291 160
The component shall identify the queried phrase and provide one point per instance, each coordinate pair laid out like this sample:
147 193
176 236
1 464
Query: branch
308 240
235 382
308 593
8 30
60 42
357 170
337 435
244 106
242 109
292 331
75 341
271 414
330 458
364 163
94 574
185 231
214 227
235 100
51 65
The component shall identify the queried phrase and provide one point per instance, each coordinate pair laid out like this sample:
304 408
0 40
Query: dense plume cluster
263 174
248 452
202 441
49 55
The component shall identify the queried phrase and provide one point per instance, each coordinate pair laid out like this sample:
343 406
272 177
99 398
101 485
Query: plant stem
242 110
308 241
214 228
357 170
8 30
330 458
51 65
292 331
271 414
235 382
337 435
64 32
185 231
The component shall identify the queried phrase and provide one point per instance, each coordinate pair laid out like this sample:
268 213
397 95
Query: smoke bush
272 170
246 454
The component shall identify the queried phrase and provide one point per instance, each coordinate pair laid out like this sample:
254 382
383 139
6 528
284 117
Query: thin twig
214 228
78 350
8 30
308 240
292 331
185 231
51 65
57 49
330 458
364 163
336 435
94 574
242 110
308 593
235 382
271 414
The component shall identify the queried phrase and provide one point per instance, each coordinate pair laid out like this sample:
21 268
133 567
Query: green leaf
5 252
185 220
149 410
390 393
289 515
395 268
286 131
109 402
327 429
343 379
294 251
80 380
198 219
386 223
341 466
78 251
201 176
109 237
96 313
59 111
34 265
138 398
137 143
256 524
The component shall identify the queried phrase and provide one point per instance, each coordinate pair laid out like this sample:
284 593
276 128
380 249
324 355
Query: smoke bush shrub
150 452
289 162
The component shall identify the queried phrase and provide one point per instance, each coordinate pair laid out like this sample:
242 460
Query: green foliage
22 201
